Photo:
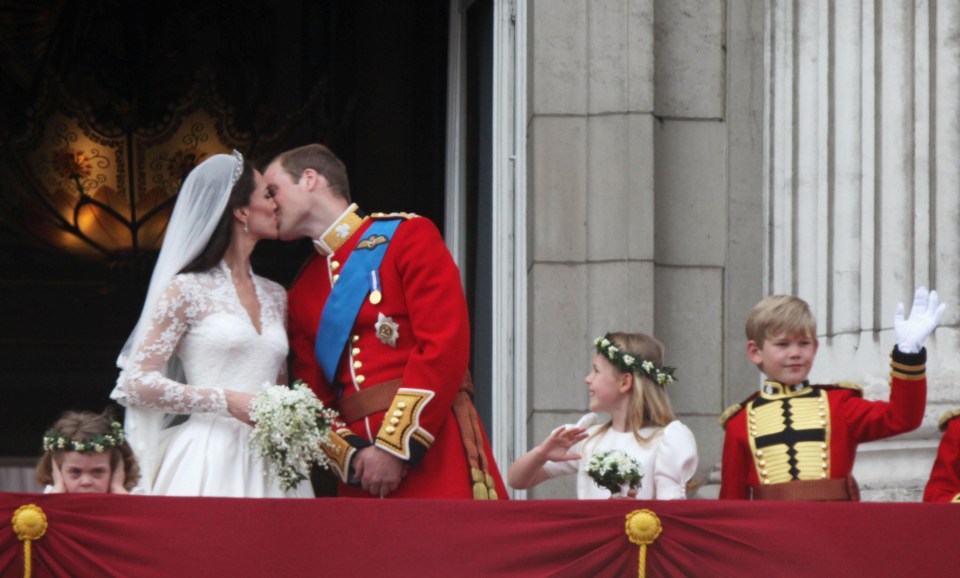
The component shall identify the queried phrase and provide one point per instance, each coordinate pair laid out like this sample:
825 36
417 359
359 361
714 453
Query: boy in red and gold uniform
379 330
944 483
796 441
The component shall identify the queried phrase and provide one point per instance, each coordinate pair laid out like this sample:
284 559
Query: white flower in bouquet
616 471
291 424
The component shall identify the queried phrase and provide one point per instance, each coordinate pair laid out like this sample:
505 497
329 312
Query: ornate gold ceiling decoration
102 190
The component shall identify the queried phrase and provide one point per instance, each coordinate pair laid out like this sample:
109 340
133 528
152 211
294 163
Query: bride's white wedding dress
201 324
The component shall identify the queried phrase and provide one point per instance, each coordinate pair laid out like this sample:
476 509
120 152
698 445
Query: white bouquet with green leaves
616 471
291 424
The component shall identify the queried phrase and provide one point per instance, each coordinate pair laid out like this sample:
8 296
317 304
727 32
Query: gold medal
375 295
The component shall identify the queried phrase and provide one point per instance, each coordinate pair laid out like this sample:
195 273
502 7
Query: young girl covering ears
628 381
87 452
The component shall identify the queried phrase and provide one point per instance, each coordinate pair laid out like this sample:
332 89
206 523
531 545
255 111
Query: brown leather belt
379 397
368 401
844 489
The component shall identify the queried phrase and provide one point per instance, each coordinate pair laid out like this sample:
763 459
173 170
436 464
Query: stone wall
863 201
645 188
689 157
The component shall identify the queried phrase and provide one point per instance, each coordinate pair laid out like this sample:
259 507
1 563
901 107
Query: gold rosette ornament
29 523
643 527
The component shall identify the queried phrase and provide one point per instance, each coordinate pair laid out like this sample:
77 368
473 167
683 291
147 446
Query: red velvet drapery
104 535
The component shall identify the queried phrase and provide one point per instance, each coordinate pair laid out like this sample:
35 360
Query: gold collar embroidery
773 389
338 233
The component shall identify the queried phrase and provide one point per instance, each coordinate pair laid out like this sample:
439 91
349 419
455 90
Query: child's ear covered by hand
118 477
58 485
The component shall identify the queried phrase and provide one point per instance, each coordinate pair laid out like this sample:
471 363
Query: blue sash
347 295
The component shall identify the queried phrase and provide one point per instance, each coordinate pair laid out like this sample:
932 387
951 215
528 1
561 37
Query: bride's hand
238 405
631 495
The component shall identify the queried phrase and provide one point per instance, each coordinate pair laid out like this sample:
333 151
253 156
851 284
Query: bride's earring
246 229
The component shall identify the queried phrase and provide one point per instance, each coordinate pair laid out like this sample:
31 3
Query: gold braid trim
402 421
729 413
468 422
421 436
956 499
333 238
29 524
400 215
908 372
339 451
643 527
850 385
946 417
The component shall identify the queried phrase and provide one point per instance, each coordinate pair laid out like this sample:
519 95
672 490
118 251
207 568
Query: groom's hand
379 472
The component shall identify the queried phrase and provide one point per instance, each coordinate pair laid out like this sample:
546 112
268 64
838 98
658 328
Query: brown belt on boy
841 490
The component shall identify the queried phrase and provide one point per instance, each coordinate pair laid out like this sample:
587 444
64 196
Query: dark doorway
478 71
366 77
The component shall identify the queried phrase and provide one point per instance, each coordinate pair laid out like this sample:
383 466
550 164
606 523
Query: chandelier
105 190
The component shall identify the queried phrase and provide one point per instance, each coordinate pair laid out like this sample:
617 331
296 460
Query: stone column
862 195
591 195
645 199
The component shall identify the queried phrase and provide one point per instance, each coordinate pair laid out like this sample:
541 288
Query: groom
379 329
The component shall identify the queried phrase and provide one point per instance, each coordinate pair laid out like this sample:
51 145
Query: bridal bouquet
291 423
616 471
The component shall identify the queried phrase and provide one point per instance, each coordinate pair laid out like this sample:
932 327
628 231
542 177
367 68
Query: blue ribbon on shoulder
346 297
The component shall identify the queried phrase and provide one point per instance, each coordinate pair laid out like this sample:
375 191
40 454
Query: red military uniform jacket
418 332
944 484
803 432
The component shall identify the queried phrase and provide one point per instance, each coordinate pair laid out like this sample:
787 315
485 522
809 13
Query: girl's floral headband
52 441
628 363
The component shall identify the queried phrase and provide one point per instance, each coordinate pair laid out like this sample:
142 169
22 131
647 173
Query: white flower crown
628 363
53 441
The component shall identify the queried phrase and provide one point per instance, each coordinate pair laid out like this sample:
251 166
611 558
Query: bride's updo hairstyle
217 245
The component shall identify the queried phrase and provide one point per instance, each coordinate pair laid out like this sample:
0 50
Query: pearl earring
246 229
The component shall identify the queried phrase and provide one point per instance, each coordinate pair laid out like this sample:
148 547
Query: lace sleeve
145 383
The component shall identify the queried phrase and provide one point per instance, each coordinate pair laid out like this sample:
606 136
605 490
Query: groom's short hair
320 159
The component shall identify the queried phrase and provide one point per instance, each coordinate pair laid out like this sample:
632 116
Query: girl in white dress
211 334
627 381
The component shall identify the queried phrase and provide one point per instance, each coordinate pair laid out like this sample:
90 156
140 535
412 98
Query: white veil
198 208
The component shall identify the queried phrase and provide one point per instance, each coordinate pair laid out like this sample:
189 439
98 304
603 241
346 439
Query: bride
211 333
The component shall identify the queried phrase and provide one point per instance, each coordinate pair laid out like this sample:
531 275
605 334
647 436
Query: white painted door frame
509 250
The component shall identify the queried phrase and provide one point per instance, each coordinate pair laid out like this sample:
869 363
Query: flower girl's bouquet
616 471
291 425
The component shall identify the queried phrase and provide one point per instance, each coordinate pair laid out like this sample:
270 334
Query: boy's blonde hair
778 314
649 402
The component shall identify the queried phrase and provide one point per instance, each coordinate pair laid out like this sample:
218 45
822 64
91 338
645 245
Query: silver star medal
387 330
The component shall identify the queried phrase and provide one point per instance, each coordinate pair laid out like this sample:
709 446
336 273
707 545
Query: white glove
925 315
